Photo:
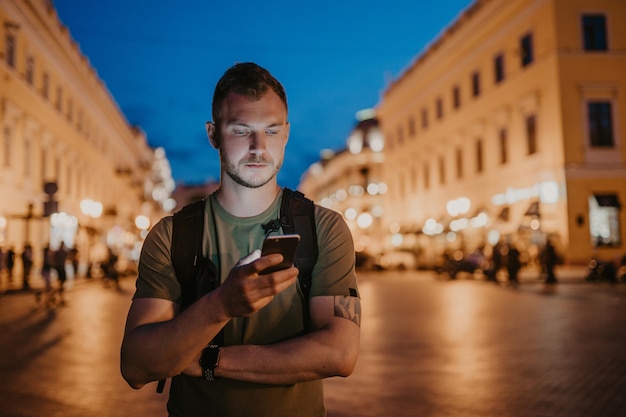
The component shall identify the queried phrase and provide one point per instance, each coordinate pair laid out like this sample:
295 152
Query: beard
236 170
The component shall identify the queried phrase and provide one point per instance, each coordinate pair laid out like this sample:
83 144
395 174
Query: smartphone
286 245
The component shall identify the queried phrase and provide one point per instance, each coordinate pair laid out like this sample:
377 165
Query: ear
211 131
288 126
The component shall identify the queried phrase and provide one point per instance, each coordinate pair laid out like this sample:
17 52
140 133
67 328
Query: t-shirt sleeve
334 272
156 277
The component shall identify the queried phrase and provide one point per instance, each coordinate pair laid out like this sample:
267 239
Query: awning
533 209
504 214
607 200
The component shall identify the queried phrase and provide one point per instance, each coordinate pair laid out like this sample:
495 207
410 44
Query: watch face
210 356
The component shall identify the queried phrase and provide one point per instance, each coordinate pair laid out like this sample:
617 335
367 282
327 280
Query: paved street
430 347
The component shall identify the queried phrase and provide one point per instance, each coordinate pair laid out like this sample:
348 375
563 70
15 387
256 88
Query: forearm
162 349
329 351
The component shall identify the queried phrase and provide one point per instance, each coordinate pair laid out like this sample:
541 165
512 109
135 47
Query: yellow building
350 181
510 125
60 126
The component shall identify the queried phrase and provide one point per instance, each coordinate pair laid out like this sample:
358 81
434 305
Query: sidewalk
37 284
564 274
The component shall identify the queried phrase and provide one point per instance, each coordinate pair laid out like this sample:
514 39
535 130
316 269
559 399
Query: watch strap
209 359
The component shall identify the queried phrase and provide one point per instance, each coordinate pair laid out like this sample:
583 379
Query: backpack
198 275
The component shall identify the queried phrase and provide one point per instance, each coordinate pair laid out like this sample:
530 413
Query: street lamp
91 208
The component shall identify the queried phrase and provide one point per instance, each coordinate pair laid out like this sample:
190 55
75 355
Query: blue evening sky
161 59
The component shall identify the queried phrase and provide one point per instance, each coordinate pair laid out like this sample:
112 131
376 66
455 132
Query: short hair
249 80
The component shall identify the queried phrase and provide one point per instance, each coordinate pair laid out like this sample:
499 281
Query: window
400 135
27 157
70 110
504 146
439 105
459 163
424 118
479 156
476 84
412 126
498 67
426 177
531 134
59 102
29 74
604 225
7 147
526 50
10 49
600 124
44 165
594 32
456 97
442 170
45 86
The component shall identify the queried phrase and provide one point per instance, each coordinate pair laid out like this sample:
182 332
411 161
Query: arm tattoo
348 308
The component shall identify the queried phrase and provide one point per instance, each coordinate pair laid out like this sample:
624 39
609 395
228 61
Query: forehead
237 107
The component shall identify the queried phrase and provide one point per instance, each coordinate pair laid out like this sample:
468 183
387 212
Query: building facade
510 127
72 168
514 116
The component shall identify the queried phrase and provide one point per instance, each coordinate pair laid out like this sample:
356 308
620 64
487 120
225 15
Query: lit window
604 226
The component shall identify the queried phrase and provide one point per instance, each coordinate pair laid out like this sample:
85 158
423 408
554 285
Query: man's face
251 137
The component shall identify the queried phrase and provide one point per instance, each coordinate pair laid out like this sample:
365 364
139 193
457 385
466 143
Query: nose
258 142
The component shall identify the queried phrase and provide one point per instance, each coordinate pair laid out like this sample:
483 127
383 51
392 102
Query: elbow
348 364
345 362
131 380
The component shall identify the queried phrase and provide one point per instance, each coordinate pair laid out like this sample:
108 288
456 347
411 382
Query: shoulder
160 236
331 227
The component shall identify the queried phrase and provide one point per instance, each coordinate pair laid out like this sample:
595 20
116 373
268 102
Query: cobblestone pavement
429 347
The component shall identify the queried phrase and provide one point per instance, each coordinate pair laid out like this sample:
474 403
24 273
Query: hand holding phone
286 245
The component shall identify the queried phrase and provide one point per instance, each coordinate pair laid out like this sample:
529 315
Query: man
267 364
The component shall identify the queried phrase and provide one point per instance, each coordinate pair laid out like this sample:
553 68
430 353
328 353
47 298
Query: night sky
161 60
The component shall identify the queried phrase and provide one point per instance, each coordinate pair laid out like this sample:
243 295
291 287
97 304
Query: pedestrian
549 260
46 267
59 258
110 269
10 262
27 265
496 263
266 365
513 264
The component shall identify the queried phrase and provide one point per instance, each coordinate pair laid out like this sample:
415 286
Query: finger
276 282
267 261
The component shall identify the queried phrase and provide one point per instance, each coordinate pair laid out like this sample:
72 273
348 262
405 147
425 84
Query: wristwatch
209 360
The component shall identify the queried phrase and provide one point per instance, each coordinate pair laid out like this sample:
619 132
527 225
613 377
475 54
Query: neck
247 202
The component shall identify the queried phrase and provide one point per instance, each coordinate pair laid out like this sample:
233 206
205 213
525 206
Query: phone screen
285 245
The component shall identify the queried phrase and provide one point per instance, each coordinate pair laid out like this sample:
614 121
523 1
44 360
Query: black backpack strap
298 216
186 250
187 258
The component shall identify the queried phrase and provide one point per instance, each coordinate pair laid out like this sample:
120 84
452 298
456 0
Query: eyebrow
240 123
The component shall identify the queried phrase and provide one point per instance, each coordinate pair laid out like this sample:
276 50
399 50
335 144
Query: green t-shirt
226 240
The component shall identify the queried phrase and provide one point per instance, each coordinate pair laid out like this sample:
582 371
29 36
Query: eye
241 132
272 132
